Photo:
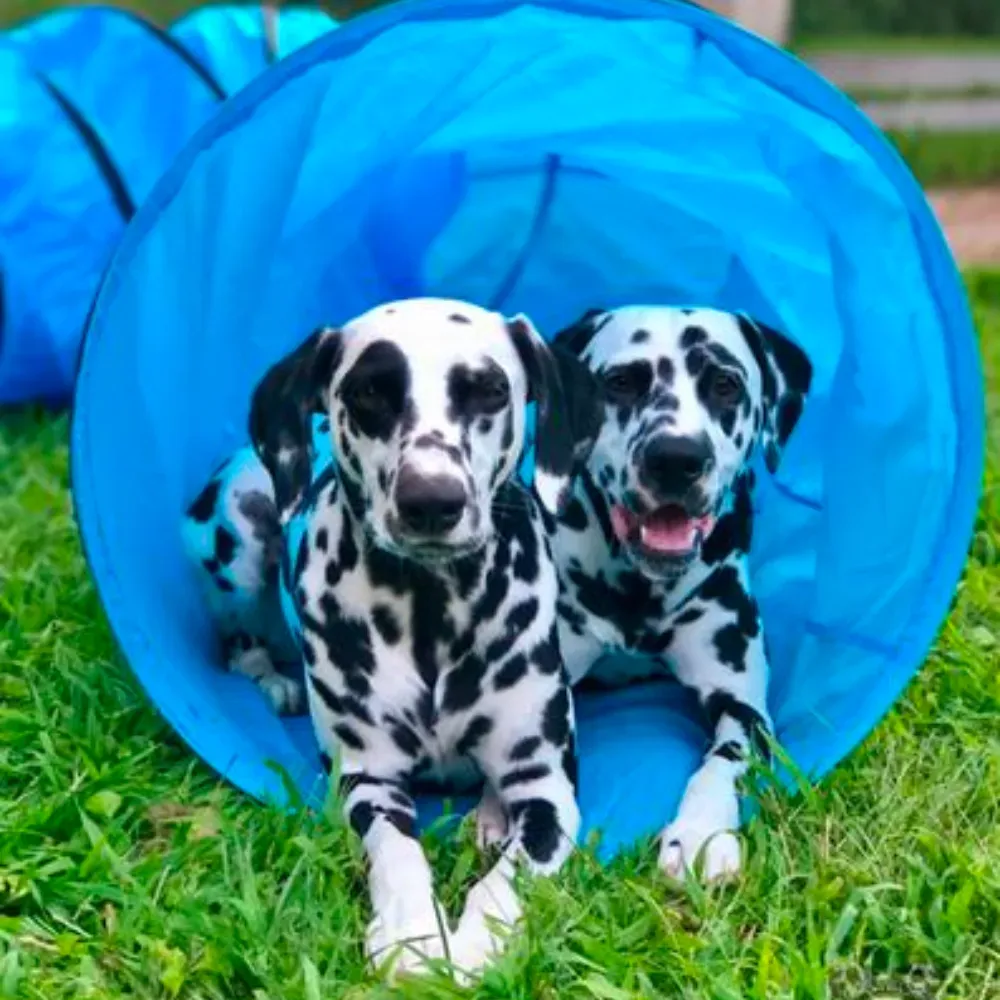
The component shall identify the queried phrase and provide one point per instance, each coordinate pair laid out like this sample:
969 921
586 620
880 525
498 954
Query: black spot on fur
724 587
352 706
358 683
386 624
301 558
348 736
730 750
665 370
204 504
224 585
523 775
731 647
571 764
463 687
497 584
639 336
361 818
574 516
539 825
545 656
721 703
693 335
329 696
406 739
574 618
325 762
459 318
402 821
376 388
689 615
225 545
526 748
511 672
322 539
211 566
468 572
431 624
308 653
478 729
555 718
734 530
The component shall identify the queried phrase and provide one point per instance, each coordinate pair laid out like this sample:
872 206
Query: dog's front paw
686 843
492 910
406 947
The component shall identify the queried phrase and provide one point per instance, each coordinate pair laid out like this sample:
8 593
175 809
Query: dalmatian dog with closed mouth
652 548
416 576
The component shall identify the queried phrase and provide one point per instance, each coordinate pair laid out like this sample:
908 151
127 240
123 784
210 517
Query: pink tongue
664 532
668 534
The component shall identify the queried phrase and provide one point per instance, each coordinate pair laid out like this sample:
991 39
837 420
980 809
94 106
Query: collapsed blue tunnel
95 103
549 156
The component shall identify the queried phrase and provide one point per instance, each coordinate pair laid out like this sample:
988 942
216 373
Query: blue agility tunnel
549 156
95 104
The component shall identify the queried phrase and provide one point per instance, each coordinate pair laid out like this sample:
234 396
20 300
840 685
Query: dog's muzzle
668 519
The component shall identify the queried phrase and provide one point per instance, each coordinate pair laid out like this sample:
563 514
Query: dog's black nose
429 505
672 465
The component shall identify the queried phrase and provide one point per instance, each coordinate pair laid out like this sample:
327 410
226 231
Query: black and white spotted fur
652 548
417 578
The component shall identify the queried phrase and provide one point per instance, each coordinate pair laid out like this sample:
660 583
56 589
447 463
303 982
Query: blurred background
926 71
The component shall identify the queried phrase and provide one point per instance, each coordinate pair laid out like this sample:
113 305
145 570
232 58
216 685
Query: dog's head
426 399
688 396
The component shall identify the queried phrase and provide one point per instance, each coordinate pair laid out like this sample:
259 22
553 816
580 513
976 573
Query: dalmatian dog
414 576
652 547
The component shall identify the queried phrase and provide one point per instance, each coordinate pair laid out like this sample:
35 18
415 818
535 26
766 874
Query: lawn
127 869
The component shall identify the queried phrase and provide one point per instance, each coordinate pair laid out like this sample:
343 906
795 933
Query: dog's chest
417 649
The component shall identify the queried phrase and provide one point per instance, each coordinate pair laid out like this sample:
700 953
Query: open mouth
669 532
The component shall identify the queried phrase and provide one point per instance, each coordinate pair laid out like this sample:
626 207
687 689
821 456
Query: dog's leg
232 535
534 781
720 655
408 926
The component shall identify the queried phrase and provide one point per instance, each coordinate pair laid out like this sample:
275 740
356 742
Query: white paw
491 822
491 913
287 696
405 948
684 845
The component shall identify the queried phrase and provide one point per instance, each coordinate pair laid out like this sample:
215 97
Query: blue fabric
58 225
94 107
674 158
231 40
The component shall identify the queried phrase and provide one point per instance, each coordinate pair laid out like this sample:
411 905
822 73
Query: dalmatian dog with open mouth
416 578
652 548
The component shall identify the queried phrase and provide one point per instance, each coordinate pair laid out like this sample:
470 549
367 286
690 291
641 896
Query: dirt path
971 220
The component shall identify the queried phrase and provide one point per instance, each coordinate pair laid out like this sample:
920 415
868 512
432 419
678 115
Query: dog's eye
490 392
627 383
366 391
726 387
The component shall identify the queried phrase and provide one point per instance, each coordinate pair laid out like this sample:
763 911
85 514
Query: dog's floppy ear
568 411
284 402
786 377
577 336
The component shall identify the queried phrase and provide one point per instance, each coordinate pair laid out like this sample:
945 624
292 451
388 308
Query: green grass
950 159
128 870
896 44
972 93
